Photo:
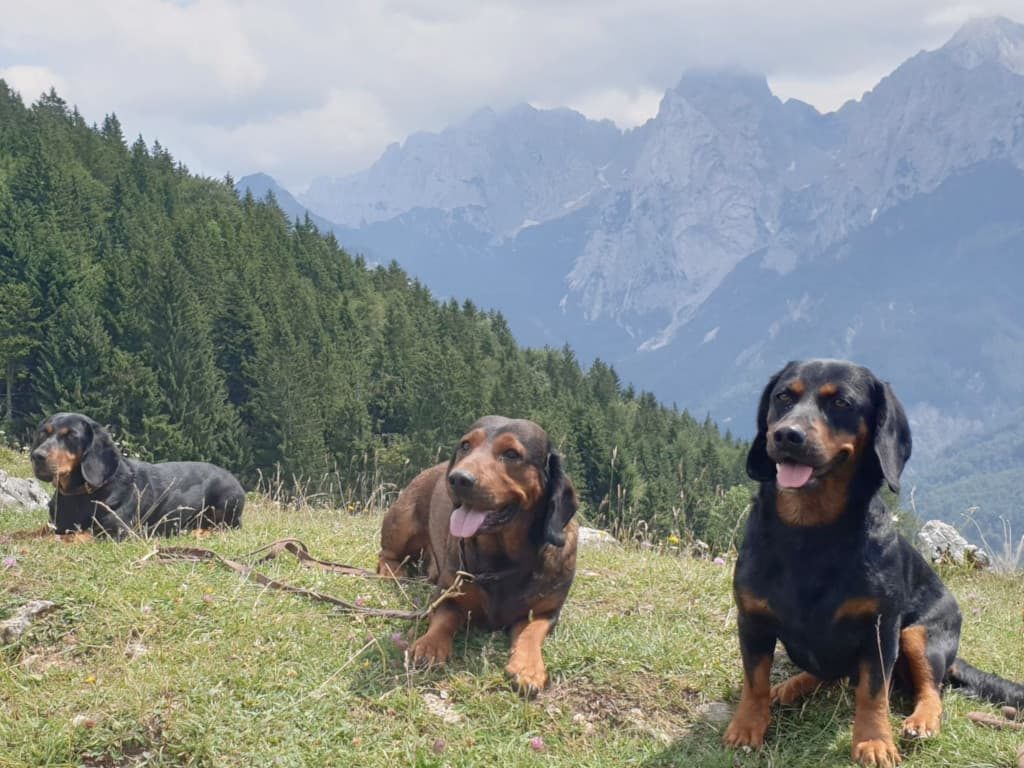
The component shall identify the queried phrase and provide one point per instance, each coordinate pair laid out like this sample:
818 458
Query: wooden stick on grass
984 718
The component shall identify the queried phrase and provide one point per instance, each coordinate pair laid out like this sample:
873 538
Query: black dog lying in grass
100 491
822 569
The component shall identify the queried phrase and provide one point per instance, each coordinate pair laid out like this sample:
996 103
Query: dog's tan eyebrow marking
48 429
474 438
507 440
64 431
798 387
828 390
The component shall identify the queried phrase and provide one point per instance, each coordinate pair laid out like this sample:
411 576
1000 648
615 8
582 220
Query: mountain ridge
699 251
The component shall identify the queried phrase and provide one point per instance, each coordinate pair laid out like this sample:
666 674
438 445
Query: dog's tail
985 685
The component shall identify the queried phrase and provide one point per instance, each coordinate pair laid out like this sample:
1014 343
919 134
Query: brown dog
501 510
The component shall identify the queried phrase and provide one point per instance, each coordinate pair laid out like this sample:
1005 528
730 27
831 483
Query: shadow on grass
814 733
477 654
785 746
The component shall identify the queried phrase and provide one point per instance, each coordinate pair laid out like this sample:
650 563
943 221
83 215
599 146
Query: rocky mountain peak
992 39
724 97
711 85
517 167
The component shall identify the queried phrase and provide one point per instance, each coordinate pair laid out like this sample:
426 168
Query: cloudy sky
301 89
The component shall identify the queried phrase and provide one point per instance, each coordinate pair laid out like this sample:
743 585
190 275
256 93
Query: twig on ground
985 718
297 548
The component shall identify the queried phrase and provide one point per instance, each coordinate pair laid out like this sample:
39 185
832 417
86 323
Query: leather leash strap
299 550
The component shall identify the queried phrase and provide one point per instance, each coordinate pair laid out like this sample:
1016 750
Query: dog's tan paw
430 650
876 752
529 675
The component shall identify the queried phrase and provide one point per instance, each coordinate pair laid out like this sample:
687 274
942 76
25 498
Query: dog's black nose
790 436
38 456
461 480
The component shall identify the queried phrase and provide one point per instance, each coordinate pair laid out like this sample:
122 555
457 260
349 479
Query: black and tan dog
99 491
822 569
501 510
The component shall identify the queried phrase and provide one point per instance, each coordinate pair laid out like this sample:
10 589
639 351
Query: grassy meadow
150 664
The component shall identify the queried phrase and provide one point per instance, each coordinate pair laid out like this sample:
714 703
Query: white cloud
626 108
328 131
304 89
31 82
829 94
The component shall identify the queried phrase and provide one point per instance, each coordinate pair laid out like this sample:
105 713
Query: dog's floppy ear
760 466
101 457
560 503
892 435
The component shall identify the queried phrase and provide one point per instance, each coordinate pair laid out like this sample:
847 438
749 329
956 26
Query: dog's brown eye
841 402
512 454
784 398
464 446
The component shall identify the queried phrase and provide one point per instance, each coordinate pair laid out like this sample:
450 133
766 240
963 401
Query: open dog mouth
793 475
466 521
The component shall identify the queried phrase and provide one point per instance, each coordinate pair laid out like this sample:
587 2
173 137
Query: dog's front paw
747 729
921 725
877 752
793 689
431 649
529 676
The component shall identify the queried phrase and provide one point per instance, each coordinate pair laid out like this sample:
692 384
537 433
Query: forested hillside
200 325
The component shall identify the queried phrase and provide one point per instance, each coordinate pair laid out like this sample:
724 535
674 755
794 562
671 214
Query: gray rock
17 492
715 712
592 537
942 543
14 627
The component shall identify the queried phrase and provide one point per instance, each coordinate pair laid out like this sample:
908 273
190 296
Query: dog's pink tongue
792 475
465 522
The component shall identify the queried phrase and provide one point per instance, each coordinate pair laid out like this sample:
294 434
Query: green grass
235 675
14 462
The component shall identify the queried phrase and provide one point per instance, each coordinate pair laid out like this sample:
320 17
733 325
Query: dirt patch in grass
653 705
39 660
132 745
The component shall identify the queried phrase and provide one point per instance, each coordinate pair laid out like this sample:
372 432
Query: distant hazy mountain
517 168
734 231
259 184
